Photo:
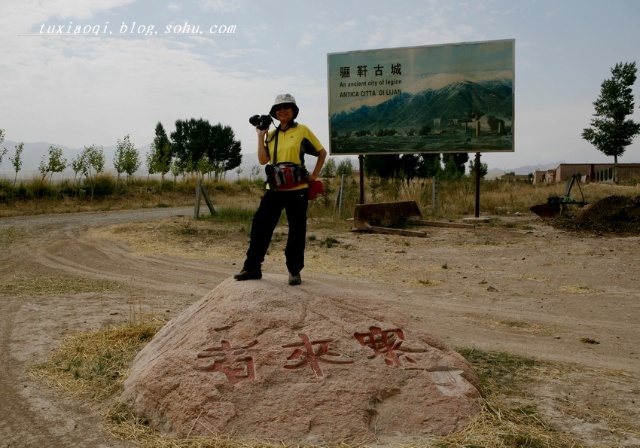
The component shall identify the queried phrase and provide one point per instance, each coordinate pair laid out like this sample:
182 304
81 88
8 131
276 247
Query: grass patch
232 215
506 419
499 372
95 364
429 282
521 326
501 426
329 242
575 289
36 285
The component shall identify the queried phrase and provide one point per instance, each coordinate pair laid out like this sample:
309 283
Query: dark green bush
103 186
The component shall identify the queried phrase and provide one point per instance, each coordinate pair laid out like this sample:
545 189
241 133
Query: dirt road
517 286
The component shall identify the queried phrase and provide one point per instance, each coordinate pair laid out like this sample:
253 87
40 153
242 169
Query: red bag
315 188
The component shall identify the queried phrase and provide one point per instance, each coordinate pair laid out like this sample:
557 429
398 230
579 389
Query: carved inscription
386 344
312 353
235 363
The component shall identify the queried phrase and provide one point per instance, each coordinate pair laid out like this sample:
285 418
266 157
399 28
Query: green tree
329 168
189 143
384 166
345 167
16 161
77 166
195 140
402 166
454 165
127 158
408 166
223 151
3 151
159 158
429 165
255 172
204 167
484 169
54 164
91 162
611 131
176 170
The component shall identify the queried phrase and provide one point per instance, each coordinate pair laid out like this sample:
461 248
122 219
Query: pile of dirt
619 215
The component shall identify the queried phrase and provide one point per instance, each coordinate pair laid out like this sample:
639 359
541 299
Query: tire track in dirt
30 325
77 255
19 425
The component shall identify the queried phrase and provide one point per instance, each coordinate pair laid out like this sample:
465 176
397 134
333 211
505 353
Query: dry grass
122 423
500 426
521 326
455 198
95 364
37 285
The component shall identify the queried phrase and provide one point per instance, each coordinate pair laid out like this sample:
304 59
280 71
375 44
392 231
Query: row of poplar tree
195 146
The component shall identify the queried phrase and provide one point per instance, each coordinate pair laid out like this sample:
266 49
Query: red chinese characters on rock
235 363
307 355
238 365
385 343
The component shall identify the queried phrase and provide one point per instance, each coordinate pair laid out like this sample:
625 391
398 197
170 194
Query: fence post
477 184
340 196
196 210
434 194
201 191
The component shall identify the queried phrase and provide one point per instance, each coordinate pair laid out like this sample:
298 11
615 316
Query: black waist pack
286 176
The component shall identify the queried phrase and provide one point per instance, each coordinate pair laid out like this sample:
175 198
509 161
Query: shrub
104 186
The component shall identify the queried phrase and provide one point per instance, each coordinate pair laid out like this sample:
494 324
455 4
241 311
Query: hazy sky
78 72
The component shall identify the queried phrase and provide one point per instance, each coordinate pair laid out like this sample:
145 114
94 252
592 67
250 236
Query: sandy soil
517 286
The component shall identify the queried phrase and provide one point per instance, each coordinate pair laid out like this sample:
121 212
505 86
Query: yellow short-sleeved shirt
293 144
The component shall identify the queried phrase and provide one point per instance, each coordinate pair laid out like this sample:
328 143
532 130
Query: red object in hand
315 188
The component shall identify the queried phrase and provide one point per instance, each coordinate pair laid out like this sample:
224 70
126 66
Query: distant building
510 177
588 172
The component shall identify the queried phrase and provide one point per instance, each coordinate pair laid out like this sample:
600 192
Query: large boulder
311 363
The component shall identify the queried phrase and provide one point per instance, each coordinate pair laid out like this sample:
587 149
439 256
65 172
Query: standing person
282 151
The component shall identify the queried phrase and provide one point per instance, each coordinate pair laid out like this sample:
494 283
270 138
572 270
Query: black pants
295 203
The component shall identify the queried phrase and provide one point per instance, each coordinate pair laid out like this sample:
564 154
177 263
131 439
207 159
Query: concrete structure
589 172
516 177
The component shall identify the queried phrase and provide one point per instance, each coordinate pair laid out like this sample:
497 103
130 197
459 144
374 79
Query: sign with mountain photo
441 98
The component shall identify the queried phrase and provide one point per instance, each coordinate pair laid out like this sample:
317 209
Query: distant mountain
462 100
495 173
533 168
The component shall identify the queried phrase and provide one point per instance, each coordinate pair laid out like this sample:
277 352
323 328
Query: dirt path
520 287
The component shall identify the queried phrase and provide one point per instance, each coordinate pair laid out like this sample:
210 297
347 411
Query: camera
261 121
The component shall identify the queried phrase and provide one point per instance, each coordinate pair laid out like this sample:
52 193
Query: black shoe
294 279
248 275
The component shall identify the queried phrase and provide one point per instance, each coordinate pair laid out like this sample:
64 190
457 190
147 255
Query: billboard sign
441 98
